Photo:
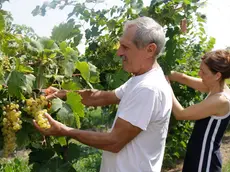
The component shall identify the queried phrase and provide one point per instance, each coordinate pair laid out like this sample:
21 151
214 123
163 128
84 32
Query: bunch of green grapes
35 107
6 64
11 124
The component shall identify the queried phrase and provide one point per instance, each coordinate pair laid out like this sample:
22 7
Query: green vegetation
29 63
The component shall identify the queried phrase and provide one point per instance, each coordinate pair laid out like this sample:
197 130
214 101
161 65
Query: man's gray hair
147 31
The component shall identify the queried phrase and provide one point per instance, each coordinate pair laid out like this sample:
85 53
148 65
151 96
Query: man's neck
145 69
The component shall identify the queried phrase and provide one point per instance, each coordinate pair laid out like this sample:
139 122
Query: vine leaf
18 83
88 71
74 101
64 112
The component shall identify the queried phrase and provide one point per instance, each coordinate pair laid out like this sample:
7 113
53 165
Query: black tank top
203 149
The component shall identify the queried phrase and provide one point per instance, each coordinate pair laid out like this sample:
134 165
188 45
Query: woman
212 115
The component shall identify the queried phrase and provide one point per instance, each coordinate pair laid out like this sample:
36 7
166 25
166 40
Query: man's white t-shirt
145 102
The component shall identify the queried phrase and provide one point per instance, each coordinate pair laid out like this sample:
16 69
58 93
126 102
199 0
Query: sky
217 11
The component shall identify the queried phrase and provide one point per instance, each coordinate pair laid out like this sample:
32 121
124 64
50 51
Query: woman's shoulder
222 102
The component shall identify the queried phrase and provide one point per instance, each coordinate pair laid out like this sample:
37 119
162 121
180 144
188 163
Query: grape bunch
35 107
6 64
11 124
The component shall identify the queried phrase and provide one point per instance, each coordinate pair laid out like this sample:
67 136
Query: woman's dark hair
218 61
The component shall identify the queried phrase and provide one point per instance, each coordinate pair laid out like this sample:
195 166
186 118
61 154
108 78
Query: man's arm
122 133
98 98
89 97
193 82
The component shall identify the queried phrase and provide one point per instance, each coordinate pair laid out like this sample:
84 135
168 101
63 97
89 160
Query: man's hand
56 129
52 92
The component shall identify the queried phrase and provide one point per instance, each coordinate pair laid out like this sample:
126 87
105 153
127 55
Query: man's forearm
97 97
90 97
94 139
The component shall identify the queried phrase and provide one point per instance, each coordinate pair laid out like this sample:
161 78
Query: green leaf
71 54
111 24
56 105
62 141
19 83
48 44
69 68
2 22
66 31
36 11
94 74
64 113
71 85
40 155
88 71
74 101
21 68
117 79
73 152
23 139
83 67
63 46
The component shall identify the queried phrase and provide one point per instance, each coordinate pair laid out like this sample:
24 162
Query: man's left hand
56 128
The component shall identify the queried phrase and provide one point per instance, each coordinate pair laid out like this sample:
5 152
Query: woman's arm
213 105
193 82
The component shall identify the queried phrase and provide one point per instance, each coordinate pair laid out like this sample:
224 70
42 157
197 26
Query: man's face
133 59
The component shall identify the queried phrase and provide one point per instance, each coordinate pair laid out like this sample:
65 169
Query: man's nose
120 52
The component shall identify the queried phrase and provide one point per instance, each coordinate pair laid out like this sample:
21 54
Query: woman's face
206 75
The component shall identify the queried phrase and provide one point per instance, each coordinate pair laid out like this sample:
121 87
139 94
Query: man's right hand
52 92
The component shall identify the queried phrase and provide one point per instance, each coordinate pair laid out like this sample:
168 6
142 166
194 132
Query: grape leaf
83 67
64 113
2 22
62 141
88 71
73 152
94 74
23 139
40 155
71 85
68 68
56 105
74 101
22 68
19 83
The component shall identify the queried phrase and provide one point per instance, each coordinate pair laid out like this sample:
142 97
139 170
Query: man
137 138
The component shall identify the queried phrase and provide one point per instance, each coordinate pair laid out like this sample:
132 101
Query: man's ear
151 49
